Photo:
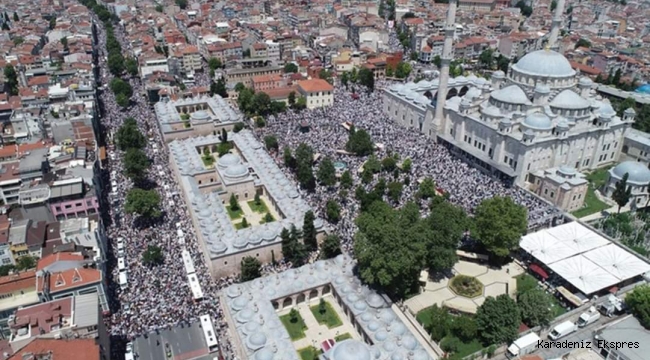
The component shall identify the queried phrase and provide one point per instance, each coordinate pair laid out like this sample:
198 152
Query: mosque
540 115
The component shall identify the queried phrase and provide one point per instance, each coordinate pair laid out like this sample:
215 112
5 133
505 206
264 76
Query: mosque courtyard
437 291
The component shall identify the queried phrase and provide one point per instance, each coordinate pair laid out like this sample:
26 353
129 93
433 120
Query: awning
538 270
569 296
613 289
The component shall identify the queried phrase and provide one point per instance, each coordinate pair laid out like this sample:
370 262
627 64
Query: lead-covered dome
638 173
569 100
538 121
229 160
236 171
200 115
351 350
512 94
545 63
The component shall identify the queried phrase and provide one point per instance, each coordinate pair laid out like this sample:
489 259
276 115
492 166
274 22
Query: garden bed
466 286
329 317
296 329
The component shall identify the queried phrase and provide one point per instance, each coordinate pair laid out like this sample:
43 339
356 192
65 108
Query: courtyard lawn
598 177
466 348
592 204
208 160
342 337
309 353
239 226
261 208
329 317
525 282
296 330
424 317
234 214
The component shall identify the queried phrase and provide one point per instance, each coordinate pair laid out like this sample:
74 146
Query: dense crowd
466 185
156 297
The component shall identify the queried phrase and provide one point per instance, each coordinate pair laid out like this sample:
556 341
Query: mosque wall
231 263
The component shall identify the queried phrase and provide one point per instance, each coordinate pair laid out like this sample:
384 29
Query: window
579 196
577 164
552 194
612 156
465 138
545 191
225 263
528 168
200 182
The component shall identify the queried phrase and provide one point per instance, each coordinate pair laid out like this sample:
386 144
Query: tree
224 136
136 164
245 101
486 59
182 4
622 192
16 18
304 172
437 61
309 231
583 43
500 223
403 70
439 322
244 223
6 269
292 249
145 203
326 172
257 200
325 75
268 218
553 5
616 80
25 263
292 99
239 126
5 26
331 247
367 79
345 78
152 256
271 143
638 301
503 63
159 8
239 87
288 158
119 86
262 103
251 268
301 103
246 53
535 308
359 142
395 190
214 64
132 66
293 315
447 224
11 79
333 211
290 68
234 204
346 180
406 165
122 100
278 107
129 136
115 63
427 188
525 9
464 327
388 164
497 320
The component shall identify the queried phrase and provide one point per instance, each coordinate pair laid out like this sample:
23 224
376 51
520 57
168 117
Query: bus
208 332
188 262
197 292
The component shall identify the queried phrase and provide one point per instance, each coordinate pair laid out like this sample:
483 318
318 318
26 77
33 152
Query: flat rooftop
253 164
186 342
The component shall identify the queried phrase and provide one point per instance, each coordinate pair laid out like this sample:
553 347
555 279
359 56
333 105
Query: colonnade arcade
300 297
188 109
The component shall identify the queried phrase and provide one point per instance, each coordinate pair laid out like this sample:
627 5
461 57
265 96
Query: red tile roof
315 85
75 349
70 279
51 259
43 316
21 281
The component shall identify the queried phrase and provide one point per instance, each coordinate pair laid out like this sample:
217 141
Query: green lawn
296 330
234 214
592 204
329 317
208 160
525 282
309 353
343 337
263 221
261 208
239 226
424 317
466 349
598 177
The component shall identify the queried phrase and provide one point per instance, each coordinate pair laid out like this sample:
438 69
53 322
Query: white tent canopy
618 262
545 248
578 236
584 274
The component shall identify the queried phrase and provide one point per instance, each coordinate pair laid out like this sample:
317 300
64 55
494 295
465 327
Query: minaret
555 28
445 59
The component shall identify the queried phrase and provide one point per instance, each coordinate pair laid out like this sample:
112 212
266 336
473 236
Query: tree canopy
309 231
136 164
290 68
638 301
251 268
535 308
214 64
11 79
331 247
500 223
326 172
333 211
153 256
129 136
292 249
145 203
497 320
359 142
622 192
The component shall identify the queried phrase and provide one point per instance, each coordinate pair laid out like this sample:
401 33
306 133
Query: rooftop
218 111
626 330
186 342
75 349
315 85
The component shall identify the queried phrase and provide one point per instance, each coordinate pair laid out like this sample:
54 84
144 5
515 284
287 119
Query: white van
129 352
562 330
124 284
524 345
121 265
588 317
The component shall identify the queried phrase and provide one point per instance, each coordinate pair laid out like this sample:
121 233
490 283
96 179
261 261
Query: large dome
236 171
545 63
351 350
538 121
638 173
229 160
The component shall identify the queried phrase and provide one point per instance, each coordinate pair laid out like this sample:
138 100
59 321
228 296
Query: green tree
406 165
622 192
500 223
293 315
503 63
322 306
388 164
464 327
583 43
25 263
345 78
244 223
497 320
346 180
304 171
616 80
439 322
486 59
136 164
325 75
129 136
526 10
292 250
145 203
218 88
239 126
159 8
52 22
119 86
271 142
214 64
251 268
535 308
245 101
278 107
259 122
359 142
234 204
239 87
6 269
268 218
153 256
224 136
447 223
115 63
262 103
5 26
11 79
437 61
333 211
553 5
427 188
122 100
395 190
403 70
292 99
290 68
331 247
289 160
309 231
16 18
638 301
326 172
132 66
301 103
367 79
182 4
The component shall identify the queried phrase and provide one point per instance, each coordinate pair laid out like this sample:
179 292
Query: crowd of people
157 297
465 185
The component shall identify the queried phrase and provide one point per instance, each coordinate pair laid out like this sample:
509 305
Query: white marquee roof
618 262
578 236
584 274
545 248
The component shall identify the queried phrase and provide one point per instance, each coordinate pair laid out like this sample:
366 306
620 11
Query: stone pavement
315 332
495 282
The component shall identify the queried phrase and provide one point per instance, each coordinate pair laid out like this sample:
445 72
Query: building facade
638 182
317 92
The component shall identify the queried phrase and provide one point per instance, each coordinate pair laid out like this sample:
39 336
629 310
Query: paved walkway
495 282
317 333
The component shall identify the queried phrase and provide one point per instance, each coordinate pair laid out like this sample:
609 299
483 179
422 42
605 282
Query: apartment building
191 59
273 50
516 45
225 51
267 82
245 76
477 5
16 290
259 50
151 63
317 92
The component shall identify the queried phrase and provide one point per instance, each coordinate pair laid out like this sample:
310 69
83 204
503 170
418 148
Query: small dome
420 354
233 292
366 317
638 173
538 121
545 63
397 328
236 171
200 115
409 342
387 316
360 305
351 350
353 298
218 247
492 111
542 89
473 93
251 327
585 81
229 160
245 315
568 99
258 340
607 111
241 242
498 74
567 170
373 325
375 300
389 346
512 94
264 354
630 111
381 335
